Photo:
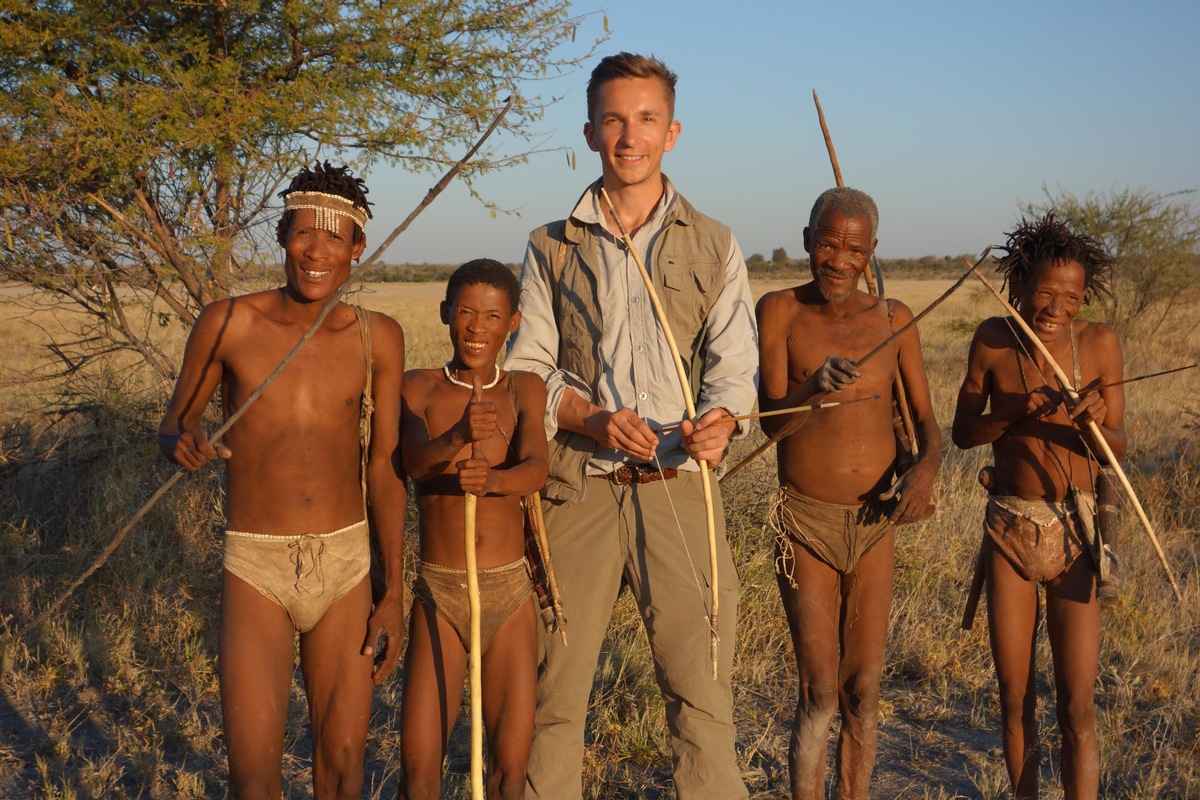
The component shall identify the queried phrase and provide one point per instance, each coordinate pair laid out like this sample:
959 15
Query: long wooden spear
1093 428
906 419
475 656
112 546
685 386
793 425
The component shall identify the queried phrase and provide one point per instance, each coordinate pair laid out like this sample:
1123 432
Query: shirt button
635 300
642 395
639 348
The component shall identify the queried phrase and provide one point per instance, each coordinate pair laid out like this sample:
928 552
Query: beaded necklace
453 378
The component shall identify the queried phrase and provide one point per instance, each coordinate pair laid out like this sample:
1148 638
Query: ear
588 130
357 252
807 234
874 244
444 312
672 134
515 322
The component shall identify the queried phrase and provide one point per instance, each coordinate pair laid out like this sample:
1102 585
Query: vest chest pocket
689 295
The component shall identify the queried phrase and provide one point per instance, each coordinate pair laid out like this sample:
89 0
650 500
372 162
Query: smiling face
317 262
839 249
631 128
480 321
1052 297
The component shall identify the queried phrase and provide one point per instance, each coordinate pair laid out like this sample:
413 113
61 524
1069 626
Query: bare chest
321 384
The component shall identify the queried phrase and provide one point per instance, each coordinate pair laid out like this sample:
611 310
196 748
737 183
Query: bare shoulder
420 378
387 336
779 299
225 321
1097 336
901 313
994 333
775 308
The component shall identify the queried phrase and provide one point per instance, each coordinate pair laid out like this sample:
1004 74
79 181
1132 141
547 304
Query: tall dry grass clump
117 695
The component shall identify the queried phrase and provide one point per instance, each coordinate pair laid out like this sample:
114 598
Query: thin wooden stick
793 425
781 411
560 618
1082 392
112 546
685 386
475 657
837 170
1092 427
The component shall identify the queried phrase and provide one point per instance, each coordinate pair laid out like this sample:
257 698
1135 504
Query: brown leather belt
629 474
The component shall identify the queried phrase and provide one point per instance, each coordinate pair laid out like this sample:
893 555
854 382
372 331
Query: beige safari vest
688 274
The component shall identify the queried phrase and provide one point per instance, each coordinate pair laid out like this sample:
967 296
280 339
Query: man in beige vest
626 503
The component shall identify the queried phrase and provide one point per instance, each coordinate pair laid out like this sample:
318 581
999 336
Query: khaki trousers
629 535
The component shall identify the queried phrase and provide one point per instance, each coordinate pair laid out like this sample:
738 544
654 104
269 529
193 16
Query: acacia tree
142 143
1155 239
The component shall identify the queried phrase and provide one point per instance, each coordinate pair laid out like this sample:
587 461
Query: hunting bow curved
686 387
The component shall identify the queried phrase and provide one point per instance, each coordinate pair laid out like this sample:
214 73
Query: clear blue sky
951 114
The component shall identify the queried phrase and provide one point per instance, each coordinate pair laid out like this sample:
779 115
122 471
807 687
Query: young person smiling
448 413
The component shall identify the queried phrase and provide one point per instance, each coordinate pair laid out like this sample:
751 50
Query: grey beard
832 298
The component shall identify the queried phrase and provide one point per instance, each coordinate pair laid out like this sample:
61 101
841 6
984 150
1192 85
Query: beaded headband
328 208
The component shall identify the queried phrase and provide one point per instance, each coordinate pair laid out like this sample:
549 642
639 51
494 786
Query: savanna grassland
116 696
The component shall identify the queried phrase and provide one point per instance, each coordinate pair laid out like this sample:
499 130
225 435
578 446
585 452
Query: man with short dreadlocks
1039 527
300 467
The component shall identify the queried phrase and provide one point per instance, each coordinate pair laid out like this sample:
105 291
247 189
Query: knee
244 789
1077 717
419 787
817 704
339 773
1016 700
860 703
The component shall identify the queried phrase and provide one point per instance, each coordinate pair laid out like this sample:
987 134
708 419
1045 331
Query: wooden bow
1093 428
685 386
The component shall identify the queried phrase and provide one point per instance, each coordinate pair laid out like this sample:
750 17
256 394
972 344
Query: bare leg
1073 625
866 598
337 679
509 697
1012 626
255 667
812 611
435 665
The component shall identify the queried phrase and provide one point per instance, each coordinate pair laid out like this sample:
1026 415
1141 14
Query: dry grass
117 696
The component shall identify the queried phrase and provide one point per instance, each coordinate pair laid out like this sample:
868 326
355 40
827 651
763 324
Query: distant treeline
415 273
779 266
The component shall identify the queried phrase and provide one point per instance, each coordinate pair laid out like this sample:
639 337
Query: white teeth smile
314 273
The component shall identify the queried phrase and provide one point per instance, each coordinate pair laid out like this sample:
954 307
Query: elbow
961 437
